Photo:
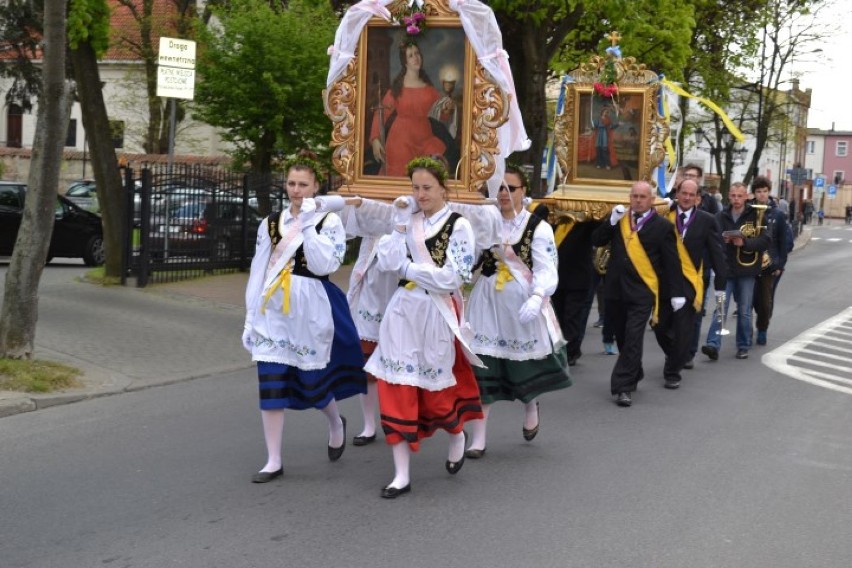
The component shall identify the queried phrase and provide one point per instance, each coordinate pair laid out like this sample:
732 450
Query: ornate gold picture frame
383 118
608 142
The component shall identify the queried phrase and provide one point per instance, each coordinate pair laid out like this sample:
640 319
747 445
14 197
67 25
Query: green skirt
504 379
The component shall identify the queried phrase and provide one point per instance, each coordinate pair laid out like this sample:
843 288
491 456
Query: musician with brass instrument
773 261
698 238
745 238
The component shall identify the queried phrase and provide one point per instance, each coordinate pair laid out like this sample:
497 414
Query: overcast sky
829 75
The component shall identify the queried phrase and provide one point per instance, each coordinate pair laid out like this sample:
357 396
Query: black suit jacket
622 280
703 236
753 246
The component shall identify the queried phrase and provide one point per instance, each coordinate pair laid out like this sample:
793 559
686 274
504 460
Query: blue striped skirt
284 386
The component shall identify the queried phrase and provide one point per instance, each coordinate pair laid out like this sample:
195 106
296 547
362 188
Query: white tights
273 433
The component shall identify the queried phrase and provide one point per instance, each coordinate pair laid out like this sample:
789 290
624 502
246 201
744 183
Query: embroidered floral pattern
516 345
398 366
300 350
461 252
369 316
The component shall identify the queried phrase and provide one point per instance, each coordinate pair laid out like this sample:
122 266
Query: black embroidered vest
522 248
438 243
300 263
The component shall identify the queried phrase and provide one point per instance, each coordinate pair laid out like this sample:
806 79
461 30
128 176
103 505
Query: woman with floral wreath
516 335
298 327
422 360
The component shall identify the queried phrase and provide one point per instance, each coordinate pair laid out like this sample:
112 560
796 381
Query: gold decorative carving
592 183
484 110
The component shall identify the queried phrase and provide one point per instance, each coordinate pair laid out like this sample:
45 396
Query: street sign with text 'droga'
176 68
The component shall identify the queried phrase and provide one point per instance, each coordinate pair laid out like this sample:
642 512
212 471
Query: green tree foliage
261 76
548 37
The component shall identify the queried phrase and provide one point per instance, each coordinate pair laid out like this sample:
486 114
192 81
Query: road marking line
829 355
777 358
834 240
828 377
819 363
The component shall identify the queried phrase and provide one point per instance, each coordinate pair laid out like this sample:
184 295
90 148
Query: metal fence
187 221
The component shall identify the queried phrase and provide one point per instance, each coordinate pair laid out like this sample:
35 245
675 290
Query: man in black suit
573 298
698 237
644 271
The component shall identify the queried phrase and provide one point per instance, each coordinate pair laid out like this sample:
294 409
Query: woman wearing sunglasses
515 329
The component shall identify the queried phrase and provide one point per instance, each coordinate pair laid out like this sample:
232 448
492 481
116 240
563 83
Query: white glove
720 295
247 340
330 203
530 310
402 210
678 303
308 213
616 215
668 201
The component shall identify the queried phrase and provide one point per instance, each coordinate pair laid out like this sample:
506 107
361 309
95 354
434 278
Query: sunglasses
510 188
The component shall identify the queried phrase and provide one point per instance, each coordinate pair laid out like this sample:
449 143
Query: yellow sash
639 258
561 231
503 275
694 276
283 281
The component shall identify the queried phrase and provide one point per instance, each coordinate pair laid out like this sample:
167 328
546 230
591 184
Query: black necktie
636 217
682 218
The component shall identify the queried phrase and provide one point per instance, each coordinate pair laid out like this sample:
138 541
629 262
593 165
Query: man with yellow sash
644 271
698 237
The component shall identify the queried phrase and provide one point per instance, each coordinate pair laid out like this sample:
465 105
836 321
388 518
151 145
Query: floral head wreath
517 169
433 166
305 162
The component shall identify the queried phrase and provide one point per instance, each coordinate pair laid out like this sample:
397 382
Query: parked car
84 194
204 227
77 233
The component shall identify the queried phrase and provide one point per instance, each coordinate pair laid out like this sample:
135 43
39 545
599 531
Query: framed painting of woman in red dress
415 87
403 94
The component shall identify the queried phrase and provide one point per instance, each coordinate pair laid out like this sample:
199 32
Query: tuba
601 259
751 230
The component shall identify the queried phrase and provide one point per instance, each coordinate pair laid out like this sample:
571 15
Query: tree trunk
104 162
19 313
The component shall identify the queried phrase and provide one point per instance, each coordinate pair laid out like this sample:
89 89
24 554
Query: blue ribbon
663 167
551 155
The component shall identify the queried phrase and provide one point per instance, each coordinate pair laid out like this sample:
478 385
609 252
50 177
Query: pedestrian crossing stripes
821 356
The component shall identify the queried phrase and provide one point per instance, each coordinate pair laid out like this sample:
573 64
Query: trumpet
721 316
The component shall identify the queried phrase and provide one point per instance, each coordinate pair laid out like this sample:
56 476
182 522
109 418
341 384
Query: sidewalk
125 338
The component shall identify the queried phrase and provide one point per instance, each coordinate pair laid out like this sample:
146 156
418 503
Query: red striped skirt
367 347
410 414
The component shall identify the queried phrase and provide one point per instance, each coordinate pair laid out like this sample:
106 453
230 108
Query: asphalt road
741 467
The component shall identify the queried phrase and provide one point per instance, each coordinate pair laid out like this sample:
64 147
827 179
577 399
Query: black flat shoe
267 476
533 432
363 440
335 453
454 467
392 492
474 454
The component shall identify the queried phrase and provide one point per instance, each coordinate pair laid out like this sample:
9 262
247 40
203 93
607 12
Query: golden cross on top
613 37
